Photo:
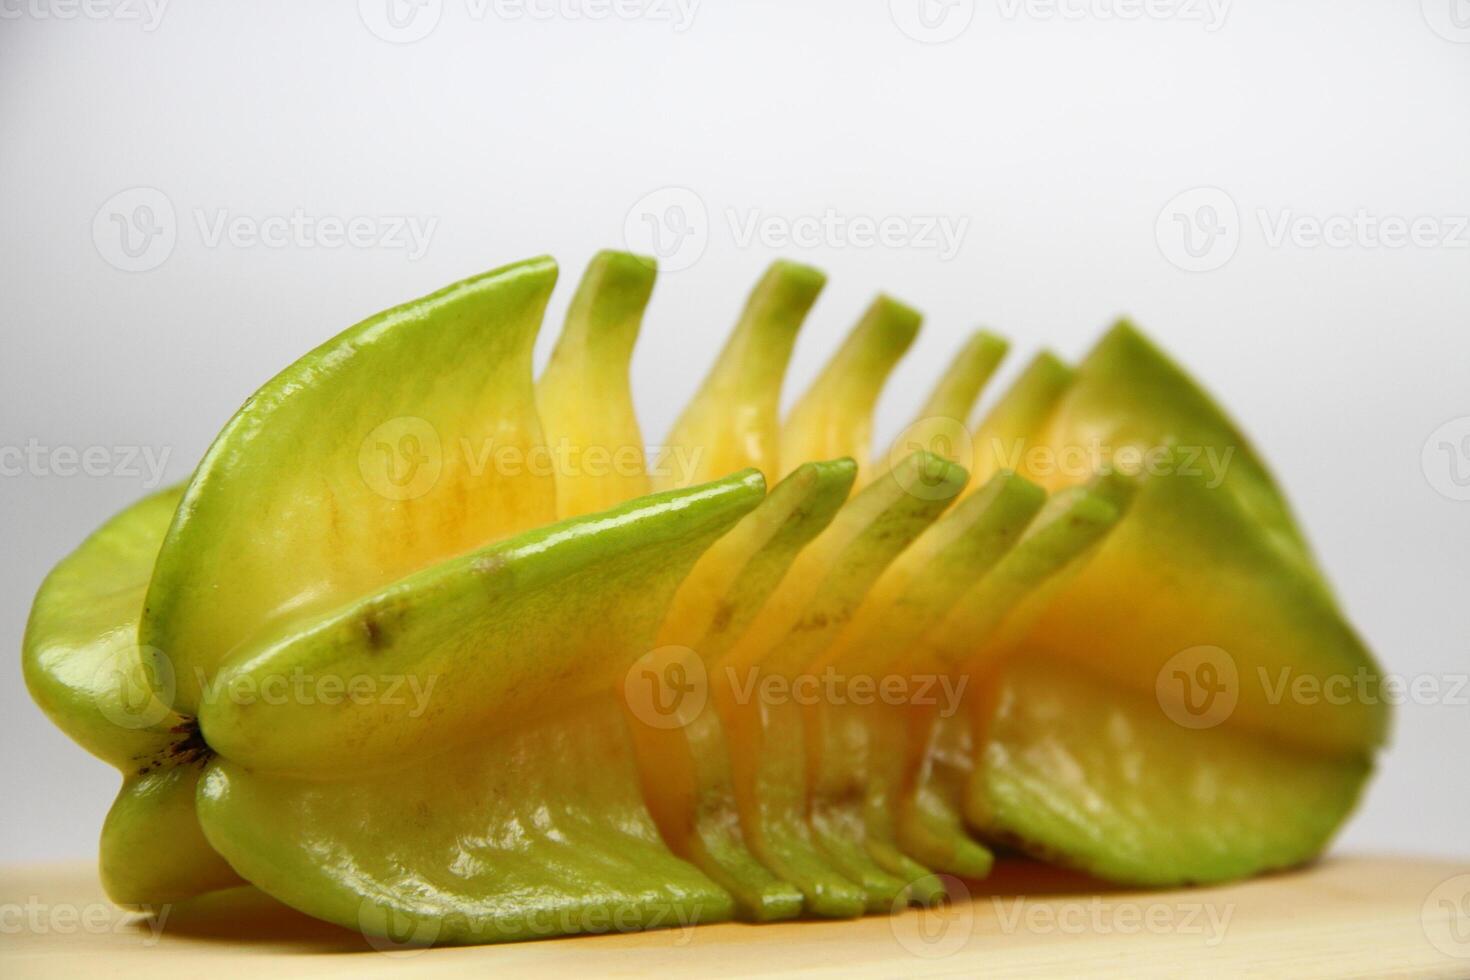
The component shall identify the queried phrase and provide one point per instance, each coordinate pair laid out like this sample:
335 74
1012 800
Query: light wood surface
1346 917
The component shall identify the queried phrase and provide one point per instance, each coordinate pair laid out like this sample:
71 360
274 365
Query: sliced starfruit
1191 621
417 650
1209 516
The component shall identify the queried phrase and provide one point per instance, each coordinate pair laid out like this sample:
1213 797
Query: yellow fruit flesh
861 756
726 596
687 779
835 415
921 585
766 736
961 641
733 579
976 629
939 426
1006 436
995 552
734 419
584 396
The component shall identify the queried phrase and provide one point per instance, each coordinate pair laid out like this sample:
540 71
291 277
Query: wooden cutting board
1346 917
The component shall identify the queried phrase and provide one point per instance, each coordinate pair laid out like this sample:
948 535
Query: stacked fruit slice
427 645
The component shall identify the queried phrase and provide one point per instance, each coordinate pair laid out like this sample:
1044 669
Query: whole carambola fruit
419 647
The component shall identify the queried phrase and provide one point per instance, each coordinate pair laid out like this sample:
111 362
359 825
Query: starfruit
430 647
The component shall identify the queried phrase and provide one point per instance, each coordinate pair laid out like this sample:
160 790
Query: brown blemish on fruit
797 516
186 748
724 612
373 629
815 621
190 746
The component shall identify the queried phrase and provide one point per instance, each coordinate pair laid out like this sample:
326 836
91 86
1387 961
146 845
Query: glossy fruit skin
153 851
1210 555
366 460
541 832
1149 803
515 822
863 759
83 667
475 623
528 797
80 653
686 773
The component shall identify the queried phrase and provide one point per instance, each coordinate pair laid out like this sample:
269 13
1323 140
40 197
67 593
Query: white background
1059 140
